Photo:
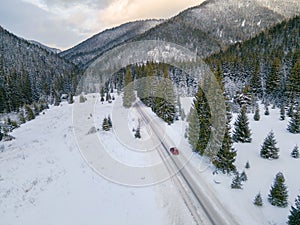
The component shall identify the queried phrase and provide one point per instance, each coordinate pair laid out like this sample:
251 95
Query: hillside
83 53
207 28
29 72
251 62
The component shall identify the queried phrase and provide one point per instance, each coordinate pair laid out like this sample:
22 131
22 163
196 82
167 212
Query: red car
174 151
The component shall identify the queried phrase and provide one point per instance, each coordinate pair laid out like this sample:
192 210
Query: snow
260 175
45 180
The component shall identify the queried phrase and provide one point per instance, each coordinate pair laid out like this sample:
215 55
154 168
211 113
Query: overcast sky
65 23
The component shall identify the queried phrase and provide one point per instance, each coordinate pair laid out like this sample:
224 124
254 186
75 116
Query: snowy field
45 180
261 173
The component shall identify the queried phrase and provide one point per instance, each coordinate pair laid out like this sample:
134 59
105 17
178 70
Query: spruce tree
267 112
164 104
138 132
256 114
105 125
295 152
1 134
70 100
247 166
258 200
204 118
244 176
282 112
273 79
255 81
269 149
294 125
236 182
290 112
102 94
22 117
36 109
193 129
294 217
29 113
242 131
293 82
128 97
109 121
278 195
225 158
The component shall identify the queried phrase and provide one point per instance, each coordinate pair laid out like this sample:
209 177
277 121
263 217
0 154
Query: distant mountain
28 73
216 24
54 50
208 28
85 52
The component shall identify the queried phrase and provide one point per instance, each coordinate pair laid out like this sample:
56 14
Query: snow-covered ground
261 173
45 180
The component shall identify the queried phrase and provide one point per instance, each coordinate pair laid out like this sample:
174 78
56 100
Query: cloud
120 11
64 23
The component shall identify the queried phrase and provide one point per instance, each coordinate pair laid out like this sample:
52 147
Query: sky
65 23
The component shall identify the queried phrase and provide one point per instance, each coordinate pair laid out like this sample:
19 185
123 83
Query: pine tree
105 125
282 112
269 149
70 100
193 129
204 118
294 125
258 200
56 98
236 182
22 117
109 121
294 217
242 131
225 158
278 195
247 166
256 115
128 97
244 176
36 109
102 94
255 82
290 112
273 79
295 152
164 104
29 113
138 131
81 99
293 82
1 134
267 112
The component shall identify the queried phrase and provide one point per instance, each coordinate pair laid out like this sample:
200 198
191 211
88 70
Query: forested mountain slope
269 63
29 72
84 53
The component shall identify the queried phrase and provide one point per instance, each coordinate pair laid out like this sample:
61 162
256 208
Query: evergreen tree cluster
29 73
269 63
107 124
